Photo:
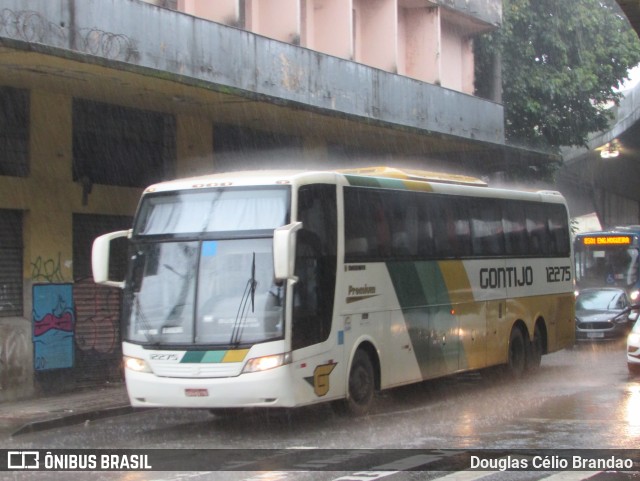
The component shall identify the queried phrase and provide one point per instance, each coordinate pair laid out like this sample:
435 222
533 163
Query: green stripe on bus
426 307
385 183
203 356
418 284
192 356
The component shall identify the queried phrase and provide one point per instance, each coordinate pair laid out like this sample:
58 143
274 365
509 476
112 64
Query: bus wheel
534 355
634 369
517 354
361 386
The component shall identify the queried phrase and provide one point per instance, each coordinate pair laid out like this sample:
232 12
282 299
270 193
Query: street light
610 150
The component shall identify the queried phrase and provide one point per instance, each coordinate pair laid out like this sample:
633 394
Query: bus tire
534 353
517 354
361 386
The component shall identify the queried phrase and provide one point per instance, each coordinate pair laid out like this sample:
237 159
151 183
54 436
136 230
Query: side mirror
100 258
284 240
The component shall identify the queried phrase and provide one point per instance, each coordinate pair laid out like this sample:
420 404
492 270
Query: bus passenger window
486 222
537 229
558 230
515 229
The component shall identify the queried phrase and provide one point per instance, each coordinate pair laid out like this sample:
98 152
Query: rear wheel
534 354
517 354
633 368
361 386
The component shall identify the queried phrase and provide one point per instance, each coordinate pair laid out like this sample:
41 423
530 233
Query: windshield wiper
146 326
253 282
248 295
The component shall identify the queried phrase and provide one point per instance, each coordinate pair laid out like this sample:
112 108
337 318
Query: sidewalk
76 407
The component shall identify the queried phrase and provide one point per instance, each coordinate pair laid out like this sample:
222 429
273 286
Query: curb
79 418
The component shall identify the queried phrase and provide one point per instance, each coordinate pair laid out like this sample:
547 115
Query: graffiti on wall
46 270
98 309
98 350
53 326
14 357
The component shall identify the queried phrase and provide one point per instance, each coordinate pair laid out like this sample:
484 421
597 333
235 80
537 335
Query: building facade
100 98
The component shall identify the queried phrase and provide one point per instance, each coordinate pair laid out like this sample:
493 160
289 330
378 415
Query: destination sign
602 240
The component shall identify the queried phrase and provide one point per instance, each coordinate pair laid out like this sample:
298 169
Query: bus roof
620 229
414 174
411 179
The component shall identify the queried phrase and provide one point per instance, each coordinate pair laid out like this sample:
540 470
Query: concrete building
100 98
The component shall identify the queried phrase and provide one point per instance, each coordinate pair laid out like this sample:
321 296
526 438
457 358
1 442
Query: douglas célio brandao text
566 462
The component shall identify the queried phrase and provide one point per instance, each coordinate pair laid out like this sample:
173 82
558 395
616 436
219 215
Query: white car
633 349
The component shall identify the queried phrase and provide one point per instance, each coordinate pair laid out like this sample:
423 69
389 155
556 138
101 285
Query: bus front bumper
270 388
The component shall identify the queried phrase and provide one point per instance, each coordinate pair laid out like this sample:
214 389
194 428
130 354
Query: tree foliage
561 63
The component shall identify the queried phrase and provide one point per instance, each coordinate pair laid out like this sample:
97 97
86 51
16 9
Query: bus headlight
135 364
258 364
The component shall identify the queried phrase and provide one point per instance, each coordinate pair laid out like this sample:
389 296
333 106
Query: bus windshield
200 287
606 266
217 210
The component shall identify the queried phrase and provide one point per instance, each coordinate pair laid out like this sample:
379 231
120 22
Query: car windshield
604 300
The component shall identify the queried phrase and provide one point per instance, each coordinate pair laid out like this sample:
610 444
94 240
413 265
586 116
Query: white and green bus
283 289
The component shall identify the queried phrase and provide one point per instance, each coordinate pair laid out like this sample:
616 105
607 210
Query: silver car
603 314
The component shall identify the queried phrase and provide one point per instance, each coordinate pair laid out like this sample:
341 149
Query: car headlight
621 318
633 339
136 364
265 363
635 295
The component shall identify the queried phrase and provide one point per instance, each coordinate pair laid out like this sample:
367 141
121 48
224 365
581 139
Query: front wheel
361 386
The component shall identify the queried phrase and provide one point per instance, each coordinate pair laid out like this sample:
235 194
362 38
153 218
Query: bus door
314 293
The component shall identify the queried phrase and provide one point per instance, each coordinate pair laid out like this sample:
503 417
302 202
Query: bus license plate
595 335
196 392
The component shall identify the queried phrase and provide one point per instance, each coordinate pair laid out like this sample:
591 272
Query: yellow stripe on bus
237 355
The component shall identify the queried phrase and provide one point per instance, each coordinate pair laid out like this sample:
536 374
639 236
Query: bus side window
440 223
515 229
360 235
537 229
486 222
558 230
452 213
315 265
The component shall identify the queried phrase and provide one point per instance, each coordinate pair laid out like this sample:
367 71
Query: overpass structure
603 177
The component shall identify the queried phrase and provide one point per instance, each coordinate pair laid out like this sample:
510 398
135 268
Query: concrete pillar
327 27
277 19
221 11
376 33
48 226
418 44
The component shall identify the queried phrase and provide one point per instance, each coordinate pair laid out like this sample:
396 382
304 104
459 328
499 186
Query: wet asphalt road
580 399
